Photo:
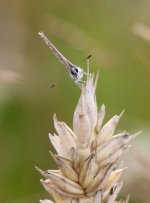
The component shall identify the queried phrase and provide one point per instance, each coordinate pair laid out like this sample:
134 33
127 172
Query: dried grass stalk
87 156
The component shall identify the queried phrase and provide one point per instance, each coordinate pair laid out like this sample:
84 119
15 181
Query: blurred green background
117 34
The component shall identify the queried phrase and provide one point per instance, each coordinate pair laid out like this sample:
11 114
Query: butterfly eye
76 69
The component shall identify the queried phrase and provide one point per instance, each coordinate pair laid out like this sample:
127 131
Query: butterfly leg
80 83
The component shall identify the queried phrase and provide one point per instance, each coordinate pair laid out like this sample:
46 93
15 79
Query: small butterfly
76 73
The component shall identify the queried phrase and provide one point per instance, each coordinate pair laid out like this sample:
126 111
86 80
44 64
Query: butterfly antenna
59 80
88 64
53 85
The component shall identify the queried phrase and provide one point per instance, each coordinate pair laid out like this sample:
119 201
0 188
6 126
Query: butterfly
75 72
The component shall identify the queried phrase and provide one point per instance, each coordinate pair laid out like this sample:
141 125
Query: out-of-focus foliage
117 35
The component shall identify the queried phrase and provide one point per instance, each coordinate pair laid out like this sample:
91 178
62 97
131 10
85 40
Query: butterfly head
77 73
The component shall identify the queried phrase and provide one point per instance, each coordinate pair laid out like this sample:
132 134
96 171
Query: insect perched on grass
76 73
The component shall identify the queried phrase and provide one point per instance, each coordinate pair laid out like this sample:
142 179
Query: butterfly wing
55 51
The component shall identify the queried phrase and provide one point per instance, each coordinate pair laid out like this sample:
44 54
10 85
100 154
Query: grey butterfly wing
55 51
